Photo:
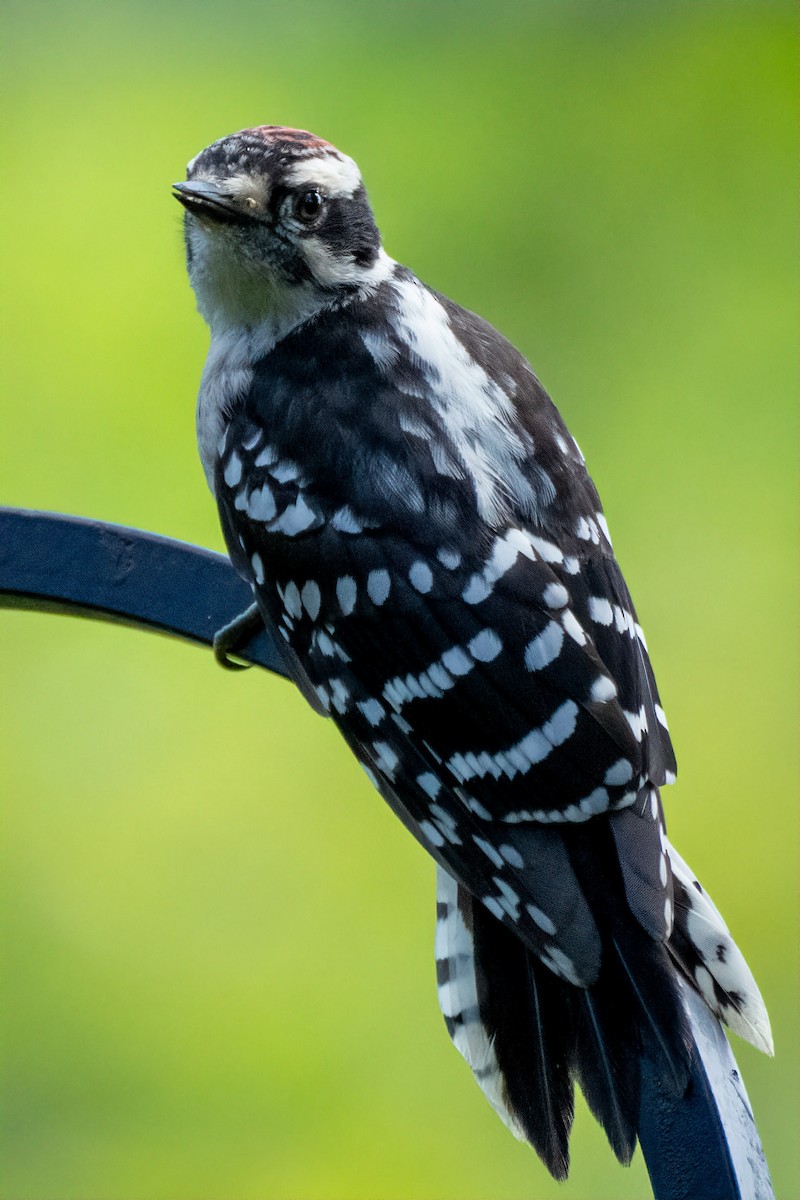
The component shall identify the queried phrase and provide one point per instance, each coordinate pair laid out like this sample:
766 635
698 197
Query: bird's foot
234 636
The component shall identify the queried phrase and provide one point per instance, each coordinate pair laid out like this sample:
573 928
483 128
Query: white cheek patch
326 267
331 269
337 175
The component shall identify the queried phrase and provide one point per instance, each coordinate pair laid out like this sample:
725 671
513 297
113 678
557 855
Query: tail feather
662 1039
703 947
634 1010
511 1018
458 995
530 1016
629 1039
610 1087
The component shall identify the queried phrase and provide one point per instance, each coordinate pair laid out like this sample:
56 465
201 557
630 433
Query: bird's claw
234 637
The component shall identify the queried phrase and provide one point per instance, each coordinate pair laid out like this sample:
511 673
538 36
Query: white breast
227 375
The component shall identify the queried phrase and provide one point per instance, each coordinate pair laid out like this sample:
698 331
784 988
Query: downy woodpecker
421 533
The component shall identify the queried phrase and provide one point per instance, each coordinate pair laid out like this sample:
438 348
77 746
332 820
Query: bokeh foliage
217 971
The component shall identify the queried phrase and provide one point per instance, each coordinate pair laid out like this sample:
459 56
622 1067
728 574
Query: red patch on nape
300 138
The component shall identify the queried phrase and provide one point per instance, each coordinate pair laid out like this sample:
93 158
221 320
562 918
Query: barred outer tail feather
702 946
512 1020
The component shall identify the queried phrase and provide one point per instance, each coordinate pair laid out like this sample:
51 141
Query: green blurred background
217 963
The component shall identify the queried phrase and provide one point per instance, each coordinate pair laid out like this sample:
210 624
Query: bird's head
277 225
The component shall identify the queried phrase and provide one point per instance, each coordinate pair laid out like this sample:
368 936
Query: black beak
205 199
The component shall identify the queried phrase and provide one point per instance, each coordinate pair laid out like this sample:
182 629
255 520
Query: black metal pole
55 563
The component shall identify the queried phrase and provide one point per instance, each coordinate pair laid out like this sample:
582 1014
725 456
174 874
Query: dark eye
308 206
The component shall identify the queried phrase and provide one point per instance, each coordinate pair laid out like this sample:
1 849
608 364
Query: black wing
490 676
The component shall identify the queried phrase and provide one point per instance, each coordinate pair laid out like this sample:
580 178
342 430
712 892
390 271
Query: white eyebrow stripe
337 175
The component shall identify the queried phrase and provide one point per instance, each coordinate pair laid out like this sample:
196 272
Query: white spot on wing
668 915
340 695
621 772
508 898
573 627
440 677
233 470
370 774
555 595
603 689
434 837
346 521
295 518
485 646
311 598
346 593
512 856
373 710
456 661
489 850
450 559
600 610
562 724
386 759
430 784
409 423
378 585
285 472
261 504
421 577
596 802
291 600
545 647
546 550
540 918
637 722
476 590
603 523
505 552
663 874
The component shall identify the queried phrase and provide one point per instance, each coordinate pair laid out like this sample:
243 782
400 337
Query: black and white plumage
420 529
